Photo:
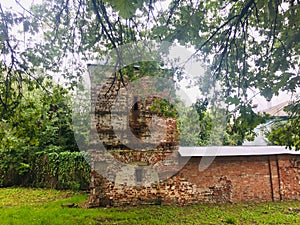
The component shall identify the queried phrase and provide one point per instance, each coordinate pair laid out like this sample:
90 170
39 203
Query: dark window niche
135 105
139 174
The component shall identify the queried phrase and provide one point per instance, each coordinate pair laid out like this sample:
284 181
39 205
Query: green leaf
233 100
126 8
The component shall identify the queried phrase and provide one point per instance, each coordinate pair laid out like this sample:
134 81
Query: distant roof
277 110
235 151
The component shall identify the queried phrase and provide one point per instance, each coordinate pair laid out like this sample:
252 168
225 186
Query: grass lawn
40 206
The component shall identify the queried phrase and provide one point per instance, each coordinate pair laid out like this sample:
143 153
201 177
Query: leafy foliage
287 132
243 126
195 124
246 44
41 125
41 121
163 107
64 170
203 132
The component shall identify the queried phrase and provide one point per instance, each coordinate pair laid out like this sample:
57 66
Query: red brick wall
248 177
251 178
289 176
227 179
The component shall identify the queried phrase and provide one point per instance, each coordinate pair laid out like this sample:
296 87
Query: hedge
64 170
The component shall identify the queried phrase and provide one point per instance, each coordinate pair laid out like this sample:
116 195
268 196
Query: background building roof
277 110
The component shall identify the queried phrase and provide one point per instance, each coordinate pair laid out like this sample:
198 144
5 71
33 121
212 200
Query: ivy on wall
64 170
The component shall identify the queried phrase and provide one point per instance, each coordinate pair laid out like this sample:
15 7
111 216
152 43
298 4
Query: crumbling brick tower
134 138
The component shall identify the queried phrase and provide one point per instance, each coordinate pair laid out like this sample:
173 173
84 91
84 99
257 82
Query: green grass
40 206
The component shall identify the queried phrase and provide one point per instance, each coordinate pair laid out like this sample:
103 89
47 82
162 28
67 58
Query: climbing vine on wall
64 170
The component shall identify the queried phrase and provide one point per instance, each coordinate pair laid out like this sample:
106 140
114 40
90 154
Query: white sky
14 5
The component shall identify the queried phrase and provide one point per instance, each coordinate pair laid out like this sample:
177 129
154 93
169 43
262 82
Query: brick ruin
135 138
146 176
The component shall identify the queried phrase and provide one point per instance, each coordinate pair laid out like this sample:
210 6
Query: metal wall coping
234 151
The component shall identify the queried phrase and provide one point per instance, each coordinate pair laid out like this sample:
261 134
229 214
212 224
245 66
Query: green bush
38 146
64 170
